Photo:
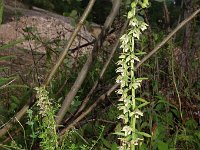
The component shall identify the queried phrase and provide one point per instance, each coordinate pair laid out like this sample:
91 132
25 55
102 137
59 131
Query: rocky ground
31 34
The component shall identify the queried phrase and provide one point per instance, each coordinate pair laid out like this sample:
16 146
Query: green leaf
183 137
119 133
106 142
144 134
5 80
160 1
175 112
142 105
139 18
33 136
128 138
17 86
29 29
191 124
141 79
6 57
73 14
141 100
144 125
30 123
122 56
162 145
197 133
11 44
15 99
114 146
140 53
166 102
3 68
143 146
66 14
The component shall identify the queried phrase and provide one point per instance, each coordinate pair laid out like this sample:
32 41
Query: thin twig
71 39
175 85
5 85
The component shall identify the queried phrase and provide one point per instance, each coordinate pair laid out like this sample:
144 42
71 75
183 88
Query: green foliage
9 86
11 44
167 132
31 123
47 124
74 8
59 6
189 135
161 117
1 11
75 136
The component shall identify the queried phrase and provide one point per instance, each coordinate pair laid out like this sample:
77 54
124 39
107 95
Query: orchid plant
129 104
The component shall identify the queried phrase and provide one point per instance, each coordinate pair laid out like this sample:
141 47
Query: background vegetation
172 86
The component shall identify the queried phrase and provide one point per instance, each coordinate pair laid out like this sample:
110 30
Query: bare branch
86 99
71 39
184 22
101 98
83 73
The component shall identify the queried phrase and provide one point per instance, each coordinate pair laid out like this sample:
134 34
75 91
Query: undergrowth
169 126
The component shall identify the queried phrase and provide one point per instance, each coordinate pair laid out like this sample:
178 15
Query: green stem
129 82
133 119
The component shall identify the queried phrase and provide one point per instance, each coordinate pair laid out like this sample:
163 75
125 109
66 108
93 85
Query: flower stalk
129 104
